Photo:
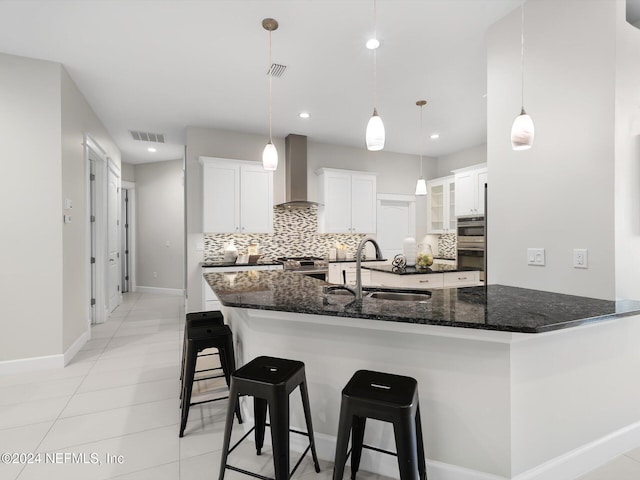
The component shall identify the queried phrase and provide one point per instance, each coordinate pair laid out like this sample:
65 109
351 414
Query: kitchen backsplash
447 245
295 234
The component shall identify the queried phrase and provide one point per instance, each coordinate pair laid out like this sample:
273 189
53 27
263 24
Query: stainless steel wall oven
472 243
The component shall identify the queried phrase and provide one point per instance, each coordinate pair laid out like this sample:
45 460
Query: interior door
396 221
113 238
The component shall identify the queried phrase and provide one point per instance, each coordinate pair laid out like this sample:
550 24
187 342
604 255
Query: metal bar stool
269 381
200 319
385 397
199 338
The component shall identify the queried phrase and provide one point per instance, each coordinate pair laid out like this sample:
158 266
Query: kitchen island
512 382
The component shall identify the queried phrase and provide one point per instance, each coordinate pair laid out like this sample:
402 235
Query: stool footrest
262 477
369 447
207 401
207 378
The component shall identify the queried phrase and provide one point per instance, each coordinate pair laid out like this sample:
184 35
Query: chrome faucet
359 261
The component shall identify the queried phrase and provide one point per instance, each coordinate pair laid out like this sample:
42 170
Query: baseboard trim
24 365
48 362
160 291
76 347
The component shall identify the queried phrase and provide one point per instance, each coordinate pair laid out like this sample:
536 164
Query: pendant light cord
375 66
522 53
270 73
421 141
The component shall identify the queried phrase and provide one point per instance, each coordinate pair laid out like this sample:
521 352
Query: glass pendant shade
375 132
421 187
270 157
522 132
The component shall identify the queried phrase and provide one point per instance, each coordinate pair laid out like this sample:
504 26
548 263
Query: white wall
44 308
461 159
31 253
560 194
128 172
160 224
77 119
627 167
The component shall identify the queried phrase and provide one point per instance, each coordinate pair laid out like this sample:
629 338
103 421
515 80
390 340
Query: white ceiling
159 66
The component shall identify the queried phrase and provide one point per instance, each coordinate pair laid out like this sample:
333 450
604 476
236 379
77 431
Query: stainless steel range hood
295 175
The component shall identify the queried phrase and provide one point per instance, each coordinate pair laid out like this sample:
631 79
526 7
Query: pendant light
421 186
375 128
522 130
270 154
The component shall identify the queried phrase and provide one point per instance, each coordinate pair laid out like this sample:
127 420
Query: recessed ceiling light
434 136
303 115
151 149
373 43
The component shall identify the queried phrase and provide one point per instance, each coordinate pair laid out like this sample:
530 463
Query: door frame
112 168
96 154
131 189
410 200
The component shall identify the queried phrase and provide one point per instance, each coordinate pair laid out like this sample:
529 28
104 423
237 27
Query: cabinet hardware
462 278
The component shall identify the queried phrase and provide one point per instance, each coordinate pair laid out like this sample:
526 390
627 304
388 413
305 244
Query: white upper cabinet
348 201
469 185
441 199
237 196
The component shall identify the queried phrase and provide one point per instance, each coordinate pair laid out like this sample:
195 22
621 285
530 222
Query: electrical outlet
535 256
580 258
155 274
199 247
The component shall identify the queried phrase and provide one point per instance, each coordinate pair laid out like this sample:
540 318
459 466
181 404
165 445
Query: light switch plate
535 256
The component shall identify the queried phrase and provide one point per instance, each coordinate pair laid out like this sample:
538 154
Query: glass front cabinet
441 200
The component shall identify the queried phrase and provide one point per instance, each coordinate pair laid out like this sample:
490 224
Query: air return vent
276 70
148 137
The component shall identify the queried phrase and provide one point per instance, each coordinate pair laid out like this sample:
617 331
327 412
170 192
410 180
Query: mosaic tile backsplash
447 245
295 234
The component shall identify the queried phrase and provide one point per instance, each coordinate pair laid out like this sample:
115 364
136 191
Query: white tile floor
119 397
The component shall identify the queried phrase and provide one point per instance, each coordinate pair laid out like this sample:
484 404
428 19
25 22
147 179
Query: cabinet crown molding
321 170
469 168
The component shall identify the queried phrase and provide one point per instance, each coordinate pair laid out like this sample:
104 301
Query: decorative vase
424 258
409 250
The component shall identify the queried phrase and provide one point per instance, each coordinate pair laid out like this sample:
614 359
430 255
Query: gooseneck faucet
359 262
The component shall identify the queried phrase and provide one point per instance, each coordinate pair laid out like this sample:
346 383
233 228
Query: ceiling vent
148 137
276 70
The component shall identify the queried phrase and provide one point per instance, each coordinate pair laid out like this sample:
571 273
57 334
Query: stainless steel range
315 267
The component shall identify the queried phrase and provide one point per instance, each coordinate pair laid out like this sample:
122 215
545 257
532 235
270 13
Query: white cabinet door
470 191
348 201
221 206
363 204
256 199
337 203
465 193
237 197
440 205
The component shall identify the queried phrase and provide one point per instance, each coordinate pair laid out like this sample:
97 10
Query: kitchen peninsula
503 372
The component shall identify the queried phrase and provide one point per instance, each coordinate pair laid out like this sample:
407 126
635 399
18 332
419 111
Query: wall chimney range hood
295 174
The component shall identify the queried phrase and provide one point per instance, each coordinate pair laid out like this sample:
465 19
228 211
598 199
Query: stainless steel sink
401 296
382 293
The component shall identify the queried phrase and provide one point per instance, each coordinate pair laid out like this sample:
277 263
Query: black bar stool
199 338
269 381
200 319
386 397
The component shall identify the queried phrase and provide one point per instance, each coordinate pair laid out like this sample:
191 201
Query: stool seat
269 380
269 370
389 398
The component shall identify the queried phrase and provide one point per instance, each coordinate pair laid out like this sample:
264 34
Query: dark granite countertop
435 268
351 260
233 264
495 307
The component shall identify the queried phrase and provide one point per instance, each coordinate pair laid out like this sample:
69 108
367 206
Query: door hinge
118 287
126 278
92 177
93 302
92 218
93 259
126 252
118 255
